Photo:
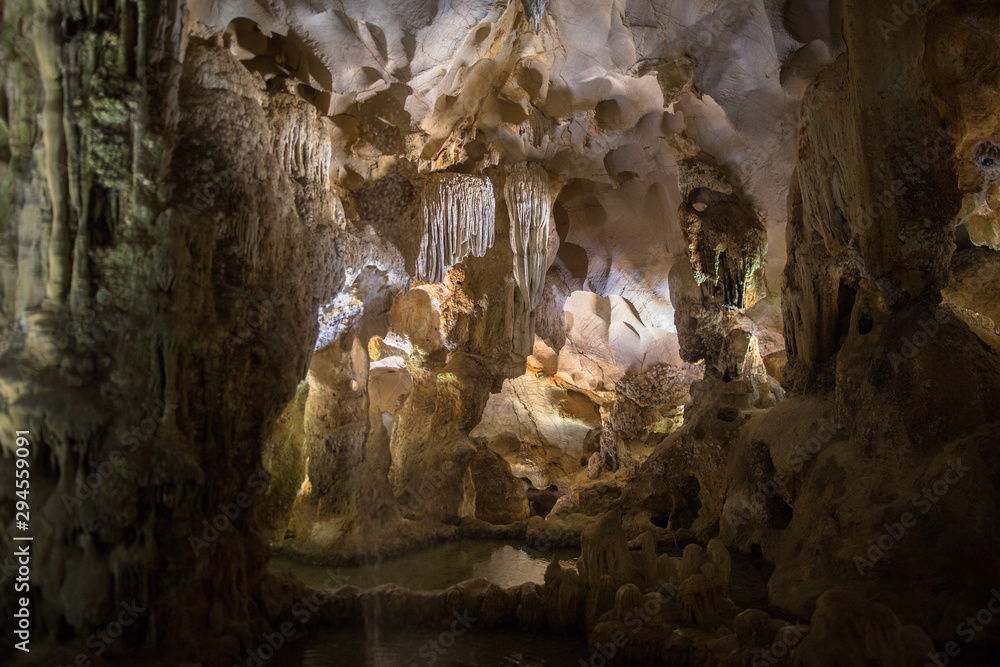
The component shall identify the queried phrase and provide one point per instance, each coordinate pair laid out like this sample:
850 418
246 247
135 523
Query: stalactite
534 12
459 219
529 202
301 141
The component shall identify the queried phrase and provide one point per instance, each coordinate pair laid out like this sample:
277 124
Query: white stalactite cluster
459 219
302 143
529 201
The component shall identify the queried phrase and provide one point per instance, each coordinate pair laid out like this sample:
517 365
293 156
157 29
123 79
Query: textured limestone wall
161 313
882 221
429 111
821 481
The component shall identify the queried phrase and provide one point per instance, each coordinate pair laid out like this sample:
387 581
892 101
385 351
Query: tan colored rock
285 458
668 569
692 561
754 627
726 239
718 555
975 280
848 629
500 497
550 422
646 562
565 597
211 201
498 608
600 599
604 551
531 607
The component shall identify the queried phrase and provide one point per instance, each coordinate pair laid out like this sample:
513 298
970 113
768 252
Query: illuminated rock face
460 219
557 257
529 203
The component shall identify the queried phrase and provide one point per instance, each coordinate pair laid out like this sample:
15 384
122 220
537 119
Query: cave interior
484 333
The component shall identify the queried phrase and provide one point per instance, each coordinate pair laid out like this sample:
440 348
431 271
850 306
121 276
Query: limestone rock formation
459 213
726 239
846 628
529 204
500 497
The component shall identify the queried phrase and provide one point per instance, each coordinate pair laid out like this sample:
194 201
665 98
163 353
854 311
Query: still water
496 648
505 564
437 567
441 566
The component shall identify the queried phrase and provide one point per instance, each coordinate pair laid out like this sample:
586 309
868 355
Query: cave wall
870 473
161 313
882 220
894 390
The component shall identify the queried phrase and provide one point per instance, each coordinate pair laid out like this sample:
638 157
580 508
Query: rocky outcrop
645 403
169 301
500 497
726 239
975 278
284 457
845 476
540 428
848 628
846 220
961 65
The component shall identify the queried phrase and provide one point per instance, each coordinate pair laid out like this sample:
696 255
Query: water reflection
442 566
497 648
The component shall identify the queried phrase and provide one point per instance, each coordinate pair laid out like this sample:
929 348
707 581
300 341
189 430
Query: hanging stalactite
534 12
301 140
529 202
459 219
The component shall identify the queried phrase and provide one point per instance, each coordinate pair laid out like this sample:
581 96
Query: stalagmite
529 202
459 219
